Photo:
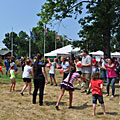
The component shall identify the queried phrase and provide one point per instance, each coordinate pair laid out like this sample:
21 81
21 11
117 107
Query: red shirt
95 85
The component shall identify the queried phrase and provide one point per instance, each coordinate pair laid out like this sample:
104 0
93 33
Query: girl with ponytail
67 84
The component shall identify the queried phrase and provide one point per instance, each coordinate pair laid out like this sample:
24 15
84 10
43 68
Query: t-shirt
86 60
7 63
103 63
38 72
74 76
78 68
12 73
52 68
64 66
95 85
111 72
26 72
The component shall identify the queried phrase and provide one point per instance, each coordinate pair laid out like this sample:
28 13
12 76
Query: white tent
64 51
115 54
97 53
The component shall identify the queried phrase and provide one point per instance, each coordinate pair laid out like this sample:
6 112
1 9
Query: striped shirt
74 76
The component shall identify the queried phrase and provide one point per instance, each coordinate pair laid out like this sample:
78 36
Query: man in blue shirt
7 65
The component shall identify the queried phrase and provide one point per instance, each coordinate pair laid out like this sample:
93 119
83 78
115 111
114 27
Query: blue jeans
112 81
104 74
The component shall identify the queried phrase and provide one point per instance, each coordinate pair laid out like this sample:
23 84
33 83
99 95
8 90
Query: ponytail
73 69
35 67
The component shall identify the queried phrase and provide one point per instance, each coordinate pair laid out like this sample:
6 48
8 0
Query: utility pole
12 43
30 48
55 41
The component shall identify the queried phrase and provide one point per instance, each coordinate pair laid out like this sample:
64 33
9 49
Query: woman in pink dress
111 76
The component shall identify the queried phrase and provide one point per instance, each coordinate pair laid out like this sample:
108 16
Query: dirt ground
13 106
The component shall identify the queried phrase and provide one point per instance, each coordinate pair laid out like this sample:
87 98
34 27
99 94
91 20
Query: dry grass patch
13 106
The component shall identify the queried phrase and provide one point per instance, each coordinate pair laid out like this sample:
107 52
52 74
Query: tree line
21 41
100 26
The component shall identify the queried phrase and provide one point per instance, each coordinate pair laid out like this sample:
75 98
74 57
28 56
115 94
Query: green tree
23 42
8 39
98 27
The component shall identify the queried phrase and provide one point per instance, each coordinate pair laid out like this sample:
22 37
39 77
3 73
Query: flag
57 37
31 35
46 33
68 39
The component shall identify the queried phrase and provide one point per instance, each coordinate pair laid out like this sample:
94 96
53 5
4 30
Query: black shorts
99 97
27 79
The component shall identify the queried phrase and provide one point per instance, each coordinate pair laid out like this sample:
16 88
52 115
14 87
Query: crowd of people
89 73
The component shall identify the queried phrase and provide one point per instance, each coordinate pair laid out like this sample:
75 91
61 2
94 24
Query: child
52 71
78 68
96 84
1 72
26 77
12 78
67 84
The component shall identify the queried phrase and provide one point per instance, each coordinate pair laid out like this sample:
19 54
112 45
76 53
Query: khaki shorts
12 80
87 76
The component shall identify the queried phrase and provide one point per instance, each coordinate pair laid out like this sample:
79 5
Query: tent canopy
115 54
97 53
64 51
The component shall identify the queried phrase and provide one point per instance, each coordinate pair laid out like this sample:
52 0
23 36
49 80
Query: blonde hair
96 75
63 58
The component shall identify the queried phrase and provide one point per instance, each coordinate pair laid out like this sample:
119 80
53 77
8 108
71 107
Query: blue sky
21 15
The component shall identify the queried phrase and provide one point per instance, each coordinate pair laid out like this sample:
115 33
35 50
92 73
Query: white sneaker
78 85
82 84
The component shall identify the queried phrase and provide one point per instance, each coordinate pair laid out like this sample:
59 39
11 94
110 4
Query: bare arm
101 86
90 85
84 78
107 66
45 75
68 68
75 62
31 72
87 65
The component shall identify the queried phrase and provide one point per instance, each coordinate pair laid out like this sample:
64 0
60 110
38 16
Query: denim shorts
99 97
51 75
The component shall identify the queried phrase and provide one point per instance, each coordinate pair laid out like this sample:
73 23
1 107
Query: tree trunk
107 37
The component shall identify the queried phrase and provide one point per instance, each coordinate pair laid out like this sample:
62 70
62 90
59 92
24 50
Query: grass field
13 106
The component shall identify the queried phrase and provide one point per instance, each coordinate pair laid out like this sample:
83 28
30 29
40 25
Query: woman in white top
78 68
27 77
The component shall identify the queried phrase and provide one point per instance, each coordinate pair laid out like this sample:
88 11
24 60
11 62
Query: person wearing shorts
52 71
96 84
86 69
26 77
12 74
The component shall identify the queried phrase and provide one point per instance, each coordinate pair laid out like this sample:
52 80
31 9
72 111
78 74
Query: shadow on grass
108 113
104 93
18 90
116 95
4 83
77 88
84 106
53 103
117 86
